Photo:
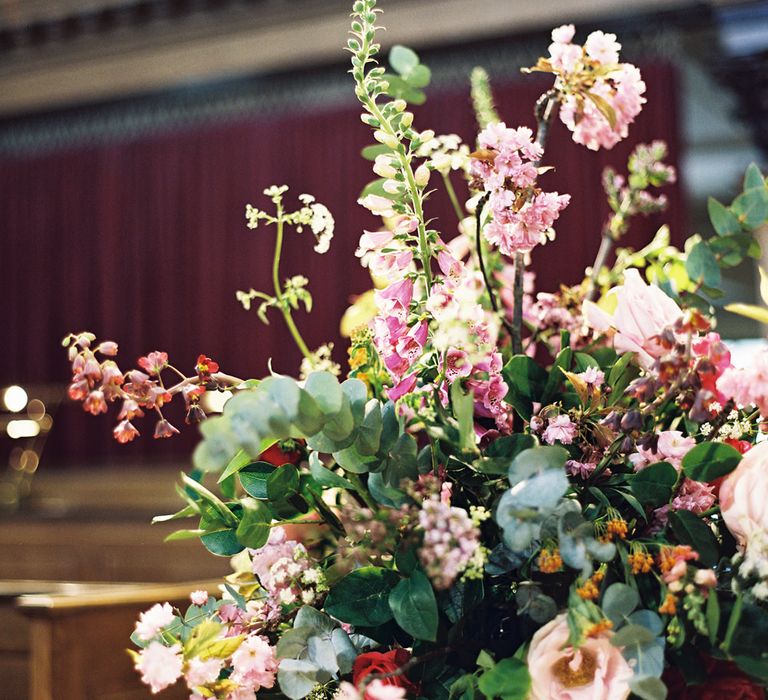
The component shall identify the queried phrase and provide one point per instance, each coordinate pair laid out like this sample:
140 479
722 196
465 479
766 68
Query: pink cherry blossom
160 666
602 47
199 597
200 672
152 621
254 663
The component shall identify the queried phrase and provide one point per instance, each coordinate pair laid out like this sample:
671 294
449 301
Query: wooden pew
67 641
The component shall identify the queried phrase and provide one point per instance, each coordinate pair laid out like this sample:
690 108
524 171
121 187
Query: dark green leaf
254 478
556 376
653 485
710 460
526 380
362 597
253 530
713 616
283 483
690 529
222 543
414 606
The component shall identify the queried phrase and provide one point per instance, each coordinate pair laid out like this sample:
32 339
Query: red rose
723 680
278 457
376 662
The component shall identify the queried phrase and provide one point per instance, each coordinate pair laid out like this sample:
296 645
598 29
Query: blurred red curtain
144 241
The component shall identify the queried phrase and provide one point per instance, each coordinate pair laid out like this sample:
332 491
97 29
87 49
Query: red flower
377 662
723 680
205 366
277 456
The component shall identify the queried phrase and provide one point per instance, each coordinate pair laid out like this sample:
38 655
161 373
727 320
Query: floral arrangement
512 495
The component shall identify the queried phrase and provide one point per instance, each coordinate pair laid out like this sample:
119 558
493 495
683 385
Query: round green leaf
222 543
710 460
361 597
653 485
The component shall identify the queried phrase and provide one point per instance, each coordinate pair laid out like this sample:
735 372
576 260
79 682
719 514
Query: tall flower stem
481 262
544 111
281 303
606 244
452 195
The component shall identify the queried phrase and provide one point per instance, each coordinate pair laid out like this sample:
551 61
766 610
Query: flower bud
392 187
382 166
406 119
422 175
385 138
399 105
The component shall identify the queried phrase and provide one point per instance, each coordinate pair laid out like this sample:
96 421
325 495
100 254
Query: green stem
452 195
517 309
361 490
284 309
424 252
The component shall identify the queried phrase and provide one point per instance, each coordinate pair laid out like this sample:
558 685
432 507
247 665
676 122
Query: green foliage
508 679
362 597
414 606
653 485
691 530
710 460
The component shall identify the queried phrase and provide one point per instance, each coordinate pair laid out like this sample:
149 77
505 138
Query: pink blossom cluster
97 382
450 541
747 386
506 166
286 573
552 313
594 86
560 429
252 664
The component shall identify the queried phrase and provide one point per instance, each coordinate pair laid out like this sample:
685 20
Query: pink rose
594 671
744 493
642 312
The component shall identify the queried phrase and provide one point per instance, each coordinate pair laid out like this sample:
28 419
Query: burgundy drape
144 241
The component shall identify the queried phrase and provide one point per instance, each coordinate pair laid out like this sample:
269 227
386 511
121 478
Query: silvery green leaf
357 394
368 437
362 643
314 619
646 659
619 602
549 526
648 619
648 688
293 643
346 651
297 678
321 653
632 634
602 551
324 388
574 554
519 534
536 460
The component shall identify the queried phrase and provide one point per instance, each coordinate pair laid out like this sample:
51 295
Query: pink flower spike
457 364
164 429
373 240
